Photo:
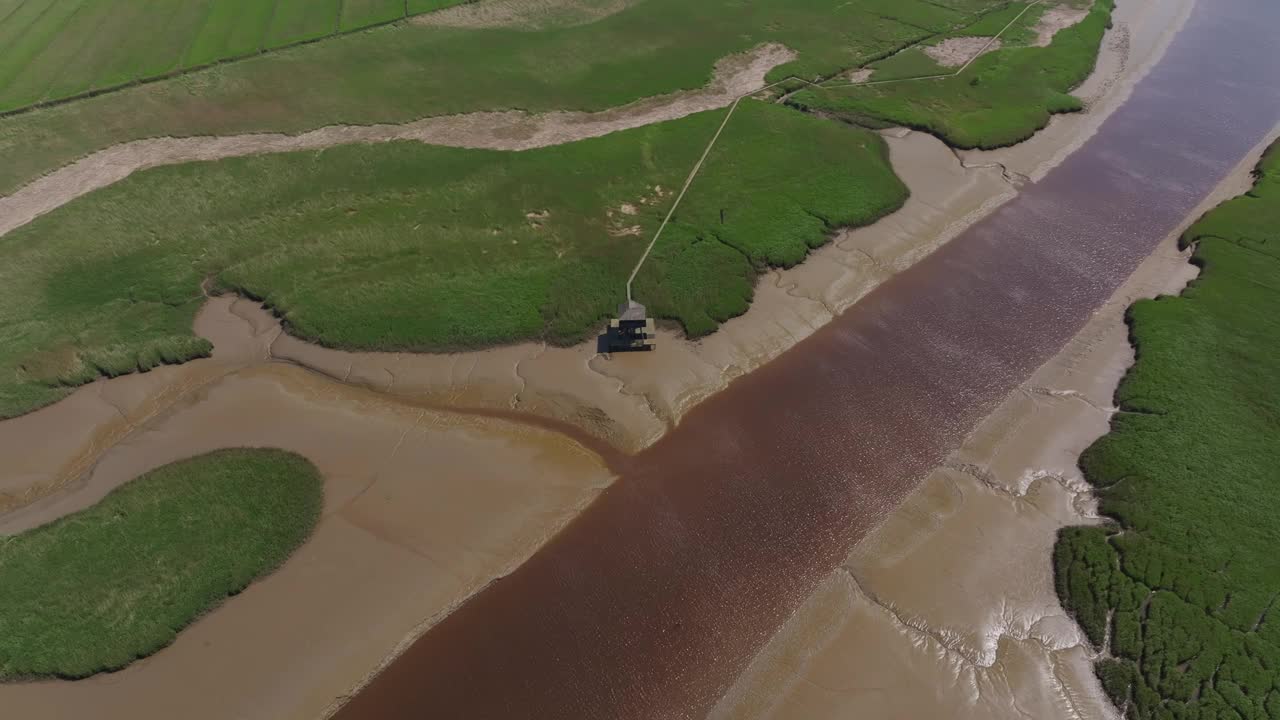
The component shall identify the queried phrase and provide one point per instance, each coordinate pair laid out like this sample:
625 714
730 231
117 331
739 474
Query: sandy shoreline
949 608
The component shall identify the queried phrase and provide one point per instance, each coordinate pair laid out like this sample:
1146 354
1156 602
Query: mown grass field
1003 98
405 72
55 49
98 589
406 246
1186 585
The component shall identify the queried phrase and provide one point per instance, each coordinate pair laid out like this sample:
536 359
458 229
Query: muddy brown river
651 602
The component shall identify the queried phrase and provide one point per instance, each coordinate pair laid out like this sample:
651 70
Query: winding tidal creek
654 599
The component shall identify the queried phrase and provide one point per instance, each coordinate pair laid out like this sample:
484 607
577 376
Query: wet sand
948 608
422 509
653 601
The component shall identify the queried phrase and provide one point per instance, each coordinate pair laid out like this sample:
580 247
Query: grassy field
406 246
1003 98
96 590
404 72
1186 585
56 49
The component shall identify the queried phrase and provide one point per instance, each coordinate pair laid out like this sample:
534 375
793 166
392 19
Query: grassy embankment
96 590
1186 584
55 49
416 247
1003 98
404 72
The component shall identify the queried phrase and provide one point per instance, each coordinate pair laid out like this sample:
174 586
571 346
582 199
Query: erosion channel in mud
650 603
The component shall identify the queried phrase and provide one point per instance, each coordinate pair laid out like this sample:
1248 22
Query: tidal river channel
652 601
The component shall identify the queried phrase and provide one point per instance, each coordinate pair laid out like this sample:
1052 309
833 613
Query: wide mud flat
653 601
948 608
422 509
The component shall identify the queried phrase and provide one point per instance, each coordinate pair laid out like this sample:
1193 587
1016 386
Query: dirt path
733 77
956 52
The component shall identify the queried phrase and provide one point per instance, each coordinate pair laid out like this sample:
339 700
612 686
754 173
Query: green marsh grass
1186 584
405 246
1003 98
98 589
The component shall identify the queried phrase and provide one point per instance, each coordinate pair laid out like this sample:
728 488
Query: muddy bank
732 78
422 509
651 602
948 608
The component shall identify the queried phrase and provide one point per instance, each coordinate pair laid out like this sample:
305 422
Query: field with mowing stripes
55 49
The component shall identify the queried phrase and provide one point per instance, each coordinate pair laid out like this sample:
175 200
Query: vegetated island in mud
94 591
375 261
1179 593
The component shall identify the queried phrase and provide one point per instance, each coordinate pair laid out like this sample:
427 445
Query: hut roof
631 310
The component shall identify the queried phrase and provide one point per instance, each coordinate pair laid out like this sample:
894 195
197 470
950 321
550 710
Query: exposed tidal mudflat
628 401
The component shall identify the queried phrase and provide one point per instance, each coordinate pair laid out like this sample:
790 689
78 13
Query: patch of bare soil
1058 17
860 76
734 77
524 14
954 52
